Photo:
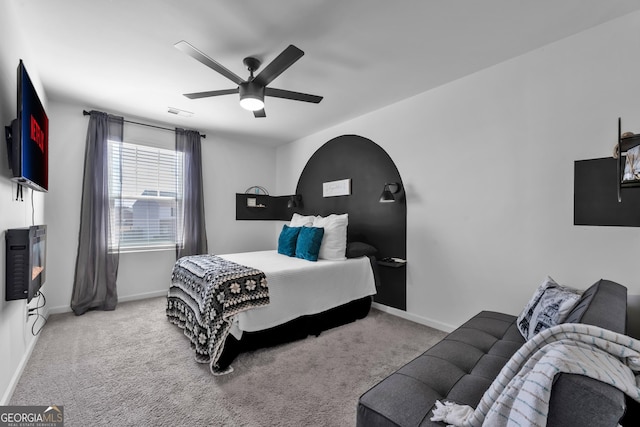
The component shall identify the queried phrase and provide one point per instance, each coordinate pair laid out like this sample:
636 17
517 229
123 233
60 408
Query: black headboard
383 225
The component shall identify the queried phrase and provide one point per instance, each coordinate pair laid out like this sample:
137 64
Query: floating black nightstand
392 262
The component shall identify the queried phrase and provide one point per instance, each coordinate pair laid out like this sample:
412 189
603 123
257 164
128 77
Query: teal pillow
287 240
308 244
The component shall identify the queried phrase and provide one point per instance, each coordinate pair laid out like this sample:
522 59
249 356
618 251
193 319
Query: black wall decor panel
596 197
383 225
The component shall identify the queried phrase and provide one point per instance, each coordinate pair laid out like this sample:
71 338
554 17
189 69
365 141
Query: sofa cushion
489 366
594 307
439 374
382 408
469 390
460 367
576 396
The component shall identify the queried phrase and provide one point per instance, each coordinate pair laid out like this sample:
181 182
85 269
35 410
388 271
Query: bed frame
294 330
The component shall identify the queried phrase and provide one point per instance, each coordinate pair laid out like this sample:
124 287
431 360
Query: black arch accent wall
383 225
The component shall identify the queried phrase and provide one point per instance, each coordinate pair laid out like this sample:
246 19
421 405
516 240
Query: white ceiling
118 55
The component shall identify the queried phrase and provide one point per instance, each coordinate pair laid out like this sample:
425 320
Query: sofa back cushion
602 305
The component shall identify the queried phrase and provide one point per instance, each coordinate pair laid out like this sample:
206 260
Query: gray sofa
463 365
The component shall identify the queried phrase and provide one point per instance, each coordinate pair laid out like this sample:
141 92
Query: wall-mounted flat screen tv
28 137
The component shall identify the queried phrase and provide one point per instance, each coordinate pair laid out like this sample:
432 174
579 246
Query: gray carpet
131 367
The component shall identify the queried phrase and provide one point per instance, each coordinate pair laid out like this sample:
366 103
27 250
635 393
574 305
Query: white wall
487 161
228 168
16 339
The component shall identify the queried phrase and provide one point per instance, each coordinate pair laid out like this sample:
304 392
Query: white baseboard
414 317
18 373
146 295
154 294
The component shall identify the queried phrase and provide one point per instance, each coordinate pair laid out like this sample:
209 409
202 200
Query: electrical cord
36 309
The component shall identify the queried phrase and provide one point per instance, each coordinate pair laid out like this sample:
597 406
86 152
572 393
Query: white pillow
334 241
298 220
550 305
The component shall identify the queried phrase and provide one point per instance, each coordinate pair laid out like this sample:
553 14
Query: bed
271 298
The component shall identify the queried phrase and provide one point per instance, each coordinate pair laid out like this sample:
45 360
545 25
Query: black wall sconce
388 192
294 201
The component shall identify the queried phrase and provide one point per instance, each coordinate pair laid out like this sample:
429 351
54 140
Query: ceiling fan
252 90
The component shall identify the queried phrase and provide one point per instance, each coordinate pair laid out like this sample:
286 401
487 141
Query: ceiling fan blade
287 94
283 61
199 56
259 113
197 95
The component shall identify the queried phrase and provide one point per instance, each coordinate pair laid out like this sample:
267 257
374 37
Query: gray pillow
358 249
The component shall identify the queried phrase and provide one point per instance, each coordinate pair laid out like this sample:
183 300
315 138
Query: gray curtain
94 285
194 234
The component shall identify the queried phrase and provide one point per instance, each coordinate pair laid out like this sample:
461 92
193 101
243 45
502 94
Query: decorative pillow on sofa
308 244
334 243
550 305
287 240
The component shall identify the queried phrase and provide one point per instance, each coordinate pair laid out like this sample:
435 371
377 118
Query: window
145 196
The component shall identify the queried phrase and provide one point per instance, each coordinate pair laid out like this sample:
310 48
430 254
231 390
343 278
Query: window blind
145 195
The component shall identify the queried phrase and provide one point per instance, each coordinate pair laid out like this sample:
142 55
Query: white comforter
298 287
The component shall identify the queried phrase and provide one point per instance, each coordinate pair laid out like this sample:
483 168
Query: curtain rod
86 113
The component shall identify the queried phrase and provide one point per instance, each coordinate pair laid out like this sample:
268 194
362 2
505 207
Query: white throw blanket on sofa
519 395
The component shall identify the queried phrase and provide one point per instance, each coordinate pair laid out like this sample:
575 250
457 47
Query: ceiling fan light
251 103
251 96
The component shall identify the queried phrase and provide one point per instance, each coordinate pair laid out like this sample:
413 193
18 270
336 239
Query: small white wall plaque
336 188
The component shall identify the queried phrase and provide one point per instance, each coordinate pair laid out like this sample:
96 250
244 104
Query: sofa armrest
577 400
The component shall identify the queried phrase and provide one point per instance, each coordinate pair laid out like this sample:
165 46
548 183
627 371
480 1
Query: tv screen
29 145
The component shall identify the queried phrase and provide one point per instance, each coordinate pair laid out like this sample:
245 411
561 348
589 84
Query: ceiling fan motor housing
251 94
